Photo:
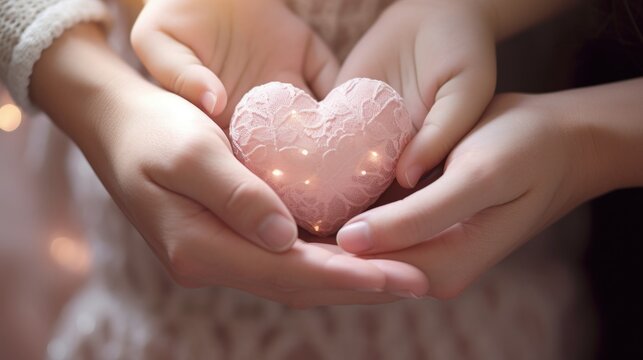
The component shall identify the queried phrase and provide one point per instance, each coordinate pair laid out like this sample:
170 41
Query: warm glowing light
307 182
10 117
294 115
374 154
277 172
304 152
316 227
70 254
363 172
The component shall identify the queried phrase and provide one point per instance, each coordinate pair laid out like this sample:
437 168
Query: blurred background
44 257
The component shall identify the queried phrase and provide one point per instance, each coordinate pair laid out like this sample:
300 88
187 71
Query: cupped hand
515 173
212 52
171 171
440 56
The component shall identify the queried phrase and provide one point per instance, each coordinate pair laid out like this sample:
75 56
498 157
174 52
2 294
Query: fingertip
403 280
355 238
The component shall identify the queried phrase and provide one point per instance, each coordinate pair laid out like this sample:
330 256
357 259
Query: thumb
212 176
178 69
458 105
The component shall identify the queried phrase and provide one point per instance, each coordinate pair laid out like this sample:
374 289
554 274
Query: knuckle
441 141
411 226
178 82
478 169
244 196
185 79
181 265
187 153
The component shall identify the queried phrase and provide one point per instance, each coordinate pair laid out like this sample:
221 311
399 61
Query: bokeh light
72 255
10 117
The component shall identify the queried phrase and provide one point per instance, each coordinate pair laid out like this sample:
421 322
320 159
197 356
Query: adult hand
522 167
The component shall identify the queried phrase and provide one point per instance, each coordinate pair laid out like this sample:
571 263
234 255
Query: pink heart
328 161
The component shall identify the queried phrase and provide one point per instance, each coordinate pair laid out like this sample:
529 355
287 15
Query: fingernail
277 232
405 294
355 238
209 102
413 175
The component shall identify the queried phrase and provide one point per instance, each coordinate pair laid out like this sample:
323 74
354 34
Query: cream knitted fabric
28 27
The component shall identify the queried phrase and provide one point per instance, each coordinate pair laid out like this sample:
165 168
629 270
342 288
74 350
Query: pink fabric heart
328 160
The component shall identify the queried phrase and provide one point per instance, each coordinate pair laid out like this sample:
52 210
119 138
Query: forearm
508 17
74 80
607 120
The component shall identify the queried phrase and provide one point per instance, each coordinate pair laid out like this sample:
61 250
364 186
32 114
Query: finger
462 191
200 250
320 67
402 279
212 176
312 298
458 105
178 69
210 251
457 256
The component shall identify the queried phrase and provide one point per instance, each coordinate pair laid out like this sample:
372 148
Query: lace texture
328 161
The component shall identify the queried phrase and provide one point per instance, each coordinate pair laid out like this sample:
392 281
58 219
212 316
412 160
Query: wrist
76 79
479 11
509 17
607 134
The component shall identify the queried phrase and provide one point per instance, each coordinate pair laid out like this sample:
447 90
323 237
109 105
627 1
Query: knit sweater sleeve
28 27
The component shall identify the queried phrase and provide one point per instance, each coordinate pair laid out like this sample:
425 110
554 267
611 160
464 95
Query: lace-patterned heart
328 161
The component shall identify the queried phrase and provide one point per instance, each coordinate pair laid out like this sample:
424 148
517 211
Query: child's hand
212 52
440 56
523 166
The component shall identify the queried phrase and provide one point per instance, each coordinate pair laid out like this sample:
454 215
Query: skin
527 161
159 156
226 47
441 58
530 160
